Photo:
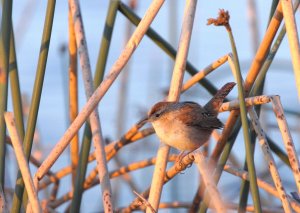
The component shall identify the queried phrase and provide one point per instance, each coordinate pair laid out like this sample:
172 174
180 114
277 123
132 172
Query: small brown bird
187 125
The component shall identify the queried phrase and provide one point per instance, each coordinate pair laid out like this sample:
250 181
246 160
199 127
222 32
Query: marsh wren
187 125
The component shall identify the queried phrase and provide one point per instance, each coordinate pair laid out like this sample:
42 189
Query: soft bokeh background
149 75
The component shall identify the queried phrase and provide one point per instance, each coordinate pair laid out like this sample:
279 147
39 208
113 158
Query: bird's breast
178 135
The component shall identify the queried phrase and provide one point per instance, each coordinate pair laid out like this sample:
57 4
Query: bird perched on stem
187 125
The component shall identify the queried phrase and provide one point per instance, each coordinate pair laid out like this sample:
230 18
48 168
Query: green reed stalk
4 65
245 125
35 102
245 185
15 87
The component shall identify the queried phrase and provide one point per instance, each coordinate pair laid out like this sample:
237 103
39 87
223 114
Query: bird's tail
215 103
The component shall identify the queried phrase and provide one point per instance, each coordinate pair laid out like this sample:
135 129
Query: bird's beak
142 122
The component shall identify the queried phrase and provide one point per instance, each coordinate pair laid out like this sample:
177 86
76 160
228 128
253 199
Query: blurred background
144 82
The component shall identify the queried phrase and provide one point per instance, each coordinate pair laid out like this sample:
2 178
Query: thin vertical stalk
86 141
248 146
73 93
252 74
174 93
4 65
35 102
245 185
94 116
22 162
244 192
292 34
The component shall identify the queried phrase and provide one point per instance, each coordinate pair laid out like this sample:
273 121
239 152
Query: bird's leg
180 156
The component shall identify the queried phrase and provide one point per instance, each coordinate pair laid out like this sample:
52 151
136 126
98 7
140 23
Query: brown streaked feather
215 103
198 117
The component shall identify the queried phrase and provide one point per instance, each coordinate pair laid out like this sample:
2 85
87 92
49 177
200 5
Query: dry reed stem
262 184
22 162
114 147
73 93
35 162
54 191
287 139
113 174
145 202
171 173
256 100
125 169
111 149
252 74
94 116
269 160
174 93
211 188
292 34
103 88
204 72
263 49
57 176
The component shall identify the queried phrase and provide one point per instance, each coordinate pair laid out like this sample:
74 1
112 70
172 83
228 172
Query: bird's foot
180 162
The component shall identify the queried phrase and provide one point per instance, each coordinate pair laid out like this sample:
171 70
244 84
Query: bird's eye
157 115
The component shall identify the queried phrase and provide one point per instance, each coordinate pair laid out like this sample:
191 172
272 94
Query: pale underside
176 134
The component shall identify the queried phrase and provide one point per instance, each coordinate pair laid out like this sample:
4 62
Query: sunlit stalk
73 93
22 162
292 34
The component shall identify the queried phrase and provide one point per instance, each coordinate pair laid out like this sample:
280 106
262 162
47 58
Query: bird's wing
198 117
